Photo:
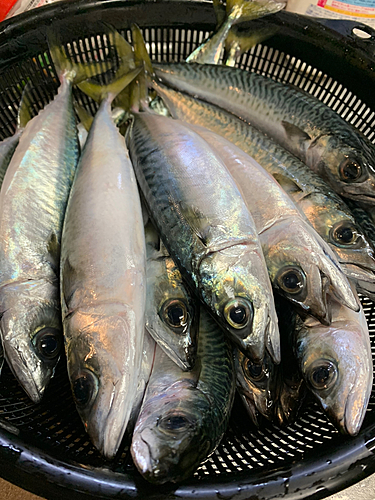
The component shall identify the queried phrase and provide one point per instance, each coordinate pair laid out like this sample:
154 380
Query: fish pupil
351 171
255 371
49 345
82 390
174 423
175 315
321 375
292 281
238 315
345 235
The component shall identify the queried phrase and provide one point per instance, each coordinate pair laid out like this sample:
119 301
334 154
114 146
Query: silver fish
171 313
33 199
103 284
184 414
298 121
207 229
336 364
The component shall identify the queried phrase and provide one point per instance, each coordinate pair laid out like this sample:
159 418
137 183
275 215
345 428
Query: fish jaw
31 312
239 273
346 346
103 367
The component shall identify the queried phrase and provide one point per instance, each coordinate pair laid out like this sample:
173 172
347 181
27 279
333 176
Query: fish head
349 170
256 384
354 253
339 229
336 364
304 269
171 313
171 435
32 335
235 286
295 273
103 374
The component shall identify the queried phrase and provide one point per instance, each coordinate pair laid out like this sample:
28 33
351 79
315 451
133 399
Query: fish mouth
107 433
357 271
360 197
354 414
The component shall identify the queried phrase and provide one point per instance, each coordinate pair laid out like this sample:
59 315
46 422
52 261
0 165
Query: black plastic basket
43 447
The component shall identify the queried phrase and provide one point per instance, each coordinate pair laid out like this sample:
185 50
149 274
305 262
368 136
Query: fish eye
323 375
253 371
174 313
344 233
85 388
174 423
48 343
291 280
238 312
350 170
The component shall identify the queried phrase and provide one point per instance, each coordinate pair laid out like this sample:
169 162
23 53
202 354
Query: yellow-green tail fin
245 10
24 111
99 92
75 72
140 50
239 42
84 117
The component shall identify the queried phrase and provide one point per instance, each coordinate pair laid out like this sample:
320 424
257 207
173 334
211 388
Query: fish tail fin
24 114
98 92
66 67
140 50
245 10
237 43
84 117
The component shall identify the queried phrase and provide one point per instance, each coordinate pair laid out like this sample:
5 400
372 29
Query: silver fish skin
7 148
257 385
336 364
184 414
301 276
33 200
357 256
147 362
207 229
171 313
103 284
299 122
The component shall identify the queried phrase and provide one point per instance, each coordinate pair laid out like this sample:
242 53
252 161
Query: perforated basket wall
44 447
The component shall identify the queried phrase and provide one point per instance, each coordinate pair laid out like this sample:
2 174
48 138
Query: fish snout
32 374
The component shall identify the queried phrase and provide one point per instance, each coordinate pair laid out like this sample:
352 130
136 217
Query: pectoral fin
296 135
